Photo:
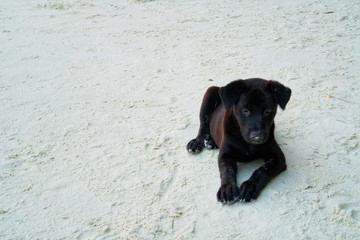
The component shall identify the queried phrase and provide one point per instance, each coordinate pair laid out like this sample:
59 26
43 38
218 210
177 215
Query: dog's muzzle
256 137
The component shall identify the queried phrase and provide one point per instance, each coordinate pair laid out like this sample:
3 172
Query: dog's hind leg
210 101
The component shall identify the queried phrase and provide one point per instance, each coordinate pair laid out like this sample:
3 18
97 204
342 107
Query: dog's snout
256 136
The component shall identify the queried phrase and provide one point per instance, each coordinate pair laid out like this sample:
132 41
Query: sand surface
99 99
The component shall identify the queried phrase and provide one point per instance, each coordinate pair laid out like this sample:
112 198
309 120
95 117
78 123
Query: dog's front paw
195 146
228 193
248 191
210 144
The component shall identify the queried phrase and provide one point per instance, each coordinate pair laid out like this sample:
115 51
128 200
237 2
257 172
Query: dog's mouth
257 141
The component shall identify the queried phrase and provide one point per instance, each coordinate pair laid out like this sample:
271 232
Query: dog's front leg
274 164
229 191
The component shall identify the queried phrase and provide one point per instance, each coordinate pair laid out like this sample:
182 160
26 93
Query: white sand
99 99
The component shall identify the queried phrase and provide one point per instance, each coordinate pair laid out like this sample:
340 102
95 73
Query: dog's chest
252 149
251 152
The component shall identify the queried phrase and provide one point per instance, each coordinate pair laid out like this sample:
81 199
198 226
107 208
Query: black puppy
239 119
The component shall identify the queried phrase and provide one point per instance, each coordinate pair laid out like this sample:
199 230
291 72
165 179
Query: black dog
239 119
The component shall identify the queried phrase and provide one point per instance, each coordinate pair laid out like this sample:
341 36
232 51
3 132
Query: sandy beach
99 99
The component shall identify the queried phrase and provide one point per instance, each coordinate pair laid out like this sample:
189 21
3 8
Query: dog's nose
256 136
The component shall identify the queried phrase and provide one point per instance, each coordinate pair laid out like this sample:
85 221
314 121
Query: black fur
239 119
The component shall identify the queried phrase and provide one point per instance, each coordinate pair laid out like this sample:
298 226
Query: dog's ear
280 92
231 92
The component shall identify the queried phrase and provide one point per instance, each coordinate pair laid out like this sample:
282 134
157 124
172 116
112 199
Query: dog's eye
245 111
268 112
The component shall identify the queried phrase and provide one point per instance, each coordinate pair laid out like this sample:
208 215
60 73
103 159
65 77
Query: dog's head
254 104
